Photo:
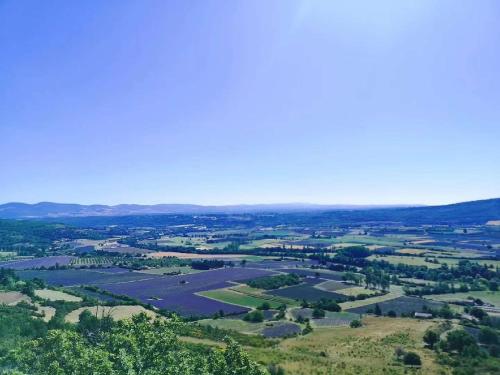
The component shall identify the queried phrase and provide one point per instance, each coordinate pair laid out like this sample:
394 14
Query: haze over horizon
353 102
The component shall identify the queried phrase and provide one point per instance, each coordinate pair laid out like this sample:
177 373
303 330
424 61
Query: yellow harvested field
164 254
116 312
48 311
55 295
12 298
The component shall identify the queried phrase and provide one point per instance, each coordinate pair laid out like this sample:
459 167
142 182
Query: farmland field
317 274
267 329
357 290
400 305
91 261
177 293
281 329
305 291
46 262
331 319
12 298
55 295
82 276
409 260
395 292
168 270
485 296
92 294
234 324
333 285
116 312
235 298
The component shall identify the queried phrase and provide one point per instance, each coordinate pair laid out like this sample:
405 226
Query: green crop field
235 298
409 260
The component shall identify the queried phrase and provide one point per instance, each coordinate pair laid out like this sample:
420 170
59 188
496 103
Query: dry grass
116 312
344 350
55 295
48 311
12 298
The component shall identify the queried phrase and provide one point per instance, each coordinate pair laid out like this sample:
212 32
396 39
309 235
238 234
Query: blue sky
221 102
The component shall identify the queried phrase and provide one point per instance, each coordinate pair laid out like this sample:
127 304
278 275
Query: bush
431 337
264 306
318 313
488 336
457 341
307 329
355 323
254 317
412 359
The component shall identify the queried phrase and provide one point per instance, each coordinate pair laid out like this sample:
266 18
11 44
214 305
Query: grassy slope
366 350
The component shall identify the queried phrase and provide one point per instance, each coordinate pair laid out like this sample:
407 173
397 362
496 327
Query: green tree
431 337
488 336
458 340
318 313
355 323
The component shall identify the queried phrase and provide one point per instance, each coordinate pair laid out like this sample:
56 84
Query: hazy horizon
256 102
248 203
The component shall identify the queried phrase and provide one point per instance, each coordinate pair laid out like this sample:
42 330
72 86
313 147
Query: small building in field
421 315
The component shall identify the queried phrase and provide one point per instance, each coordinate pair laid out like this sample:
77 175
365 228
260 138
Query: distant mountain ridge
17 210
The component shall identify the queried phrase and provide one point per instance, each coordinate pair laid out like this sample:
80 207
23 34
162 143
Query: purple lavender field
26 264
173 293
76 277
177 293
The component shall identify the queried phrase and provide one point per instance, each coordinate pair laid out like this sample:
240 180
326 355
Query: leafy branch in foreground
135 346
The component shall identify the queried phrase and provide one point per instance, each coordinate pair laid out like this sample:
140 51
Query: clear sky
257 101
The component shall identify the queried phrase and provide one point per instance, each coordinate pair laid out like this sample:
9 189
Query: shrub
307 329
412 359
431 337
264 306
356 323
488 336
318 313
254 317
